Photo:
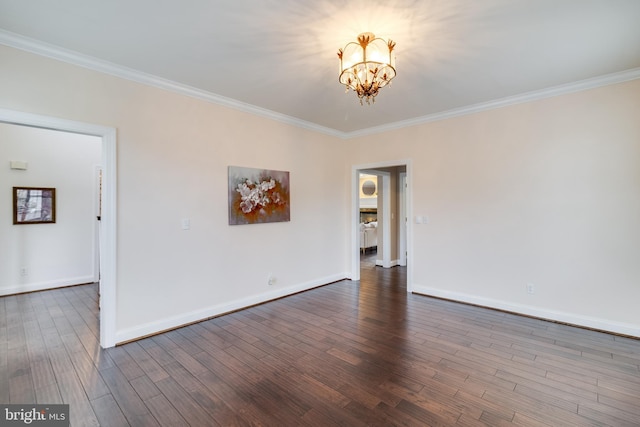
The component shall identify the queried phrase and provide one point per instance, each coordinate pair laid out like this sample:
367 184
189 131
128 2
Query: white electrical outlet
531 288
23 272
272 279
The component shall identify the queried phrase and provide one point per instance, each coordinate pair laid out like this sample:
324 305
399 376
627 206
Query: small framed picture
34 205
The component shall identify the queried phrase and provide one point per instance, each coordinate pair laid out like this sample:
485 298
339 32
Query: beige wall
173 152
544 192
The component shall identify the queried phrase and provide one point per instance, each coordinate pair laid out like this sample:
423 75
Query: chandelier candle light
366 66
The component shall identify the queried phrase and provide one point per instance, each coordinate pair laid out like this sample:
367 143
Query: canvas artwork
258 196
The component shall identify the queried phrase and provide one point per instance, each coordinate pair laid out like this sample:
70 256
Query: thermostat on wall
18 165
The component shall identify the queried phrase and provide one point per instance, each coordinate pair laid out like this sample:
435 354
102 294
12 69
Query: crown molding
578 86
44 49
50 51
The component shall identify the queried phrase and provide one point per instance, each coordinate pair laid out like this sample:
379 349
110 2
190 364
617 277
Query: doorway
393 207
107 264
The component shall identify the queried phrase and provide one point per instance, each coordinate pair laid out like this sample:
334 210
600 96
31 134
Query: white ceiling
278 57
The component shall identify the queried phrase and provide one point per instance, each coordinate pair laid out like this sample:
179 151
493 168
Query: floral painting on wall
258 196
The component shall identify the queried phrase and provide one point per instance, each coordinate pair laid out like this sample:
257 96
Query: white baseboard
392 263
151 328
553 315
41 286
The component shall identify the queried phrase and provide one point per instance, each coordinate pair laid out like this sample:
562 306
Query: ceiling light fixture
366 66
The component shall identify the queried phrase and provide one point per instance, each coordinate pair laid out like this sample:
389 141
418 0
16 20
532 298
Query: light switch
186 223
422 219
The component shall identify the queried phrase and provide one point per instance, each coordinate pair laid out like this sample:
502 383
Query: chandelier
366 66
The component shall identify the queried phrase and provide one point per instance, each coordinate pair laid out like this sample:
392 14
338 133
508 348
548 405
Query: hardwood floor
348 354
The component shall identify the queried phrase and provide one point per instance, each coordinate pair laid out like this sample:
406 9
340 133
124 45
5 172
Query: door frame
97 206
355 215
108 221
402 229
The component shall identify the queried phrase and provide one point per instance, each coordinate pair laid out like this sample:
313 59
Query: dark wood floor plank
132 407
80 410
157 353
349 353
367 416
425 415
60 360
564 401
21 389
540 410
18 361
398 416
622 402
554 390
3 316
150 367
42 374
72 343
252 391
476 407
48 394
145 387
4 345
33 339
125 363
210 402
108 412
164 412
187 360
237 327
608 415
182 342
88 375
238 399
437 398
306 390
188 409
629 385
